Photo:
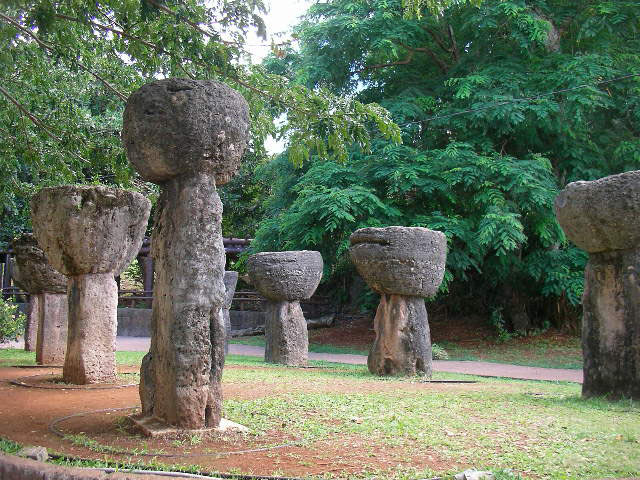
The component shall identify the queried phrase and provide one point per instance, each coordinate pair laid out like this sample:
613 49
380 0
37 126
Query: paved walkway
485 369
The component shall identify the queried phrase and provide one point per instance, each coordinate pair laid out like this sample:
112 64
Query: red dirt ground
25 414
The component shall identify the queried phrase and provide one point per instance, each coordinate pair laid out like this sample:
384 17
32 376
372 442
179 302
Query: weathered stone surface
185 127
610 327
403 264
403 342
601 215
89 229
400 260
51 342
286 338
31 328
34 453
284 278
292 275
187 338
17 468
230 282
90 233
91 344
32 271
187 136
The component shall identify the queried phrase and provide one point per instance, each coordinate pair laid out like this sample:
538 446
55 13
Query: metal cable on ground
204 475
52 427
18 381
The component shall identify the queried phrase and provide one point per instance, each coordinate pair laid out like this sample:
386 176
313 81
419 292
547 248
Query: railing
232 246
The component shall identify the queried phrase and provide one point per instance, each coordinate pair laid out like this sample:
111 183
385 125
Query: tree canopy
67 69
500 105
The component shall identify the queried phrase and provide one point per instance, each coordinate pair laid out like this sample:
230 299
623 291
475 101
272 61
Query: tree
68 67
500 105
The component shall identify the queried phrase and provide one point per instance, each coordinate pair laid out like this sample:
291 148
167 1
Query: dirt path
485 369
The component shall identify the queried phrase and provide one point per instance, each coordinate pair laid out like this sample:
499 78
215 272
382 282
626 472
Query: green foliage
12 321
501 103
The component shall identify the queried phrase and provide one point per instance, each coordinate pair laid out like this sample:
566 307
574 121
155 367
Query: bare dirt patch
26 413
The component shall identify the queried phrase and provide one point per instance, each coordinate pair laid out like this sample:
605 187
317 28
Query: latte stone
46 329
404 265
187 136
90 234
602 217
285 278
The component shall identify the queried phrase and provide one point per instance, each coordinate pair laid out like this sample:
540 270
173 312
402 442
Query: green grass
258 340
534 352
539 429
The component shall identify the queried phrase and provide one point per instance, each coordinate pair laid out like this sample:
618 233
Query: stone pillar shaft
93 310
181 377
403 341
610 327
31 328
51 312
286 337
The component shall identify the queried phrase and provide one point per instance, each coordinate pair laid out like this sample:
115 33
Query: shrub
12 321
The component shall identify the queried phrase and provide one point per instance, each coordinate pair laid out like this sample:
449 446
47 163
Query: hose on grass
53 428
201 475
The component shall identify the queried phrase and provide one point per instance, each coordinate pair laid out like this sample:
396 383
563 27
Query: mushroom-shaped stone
179 126
285 278
90 233
400 260
46 330
404 265
230 282
603 218
187 136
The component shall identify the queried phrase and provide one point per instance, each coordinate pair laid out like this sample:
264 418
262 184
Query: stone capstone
32 271
89 229
602 217
599 216
400 260
205 121
292 275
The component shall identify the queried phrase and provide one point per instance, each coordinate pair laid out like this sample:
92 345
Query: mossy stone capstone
89 229
33 272
292 275
180 126
600 215
400 260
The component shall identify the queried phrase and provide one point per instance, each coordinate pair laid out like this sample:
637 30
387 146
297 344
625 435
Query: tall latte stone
285 278
46 330
90 234
603 218
187 136
403 265
230 282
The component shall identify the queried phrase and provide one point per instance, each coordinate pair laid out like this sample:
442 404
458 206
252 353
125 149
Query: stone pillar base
403 343
154 427
91 345
610 325
51 311
286 337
